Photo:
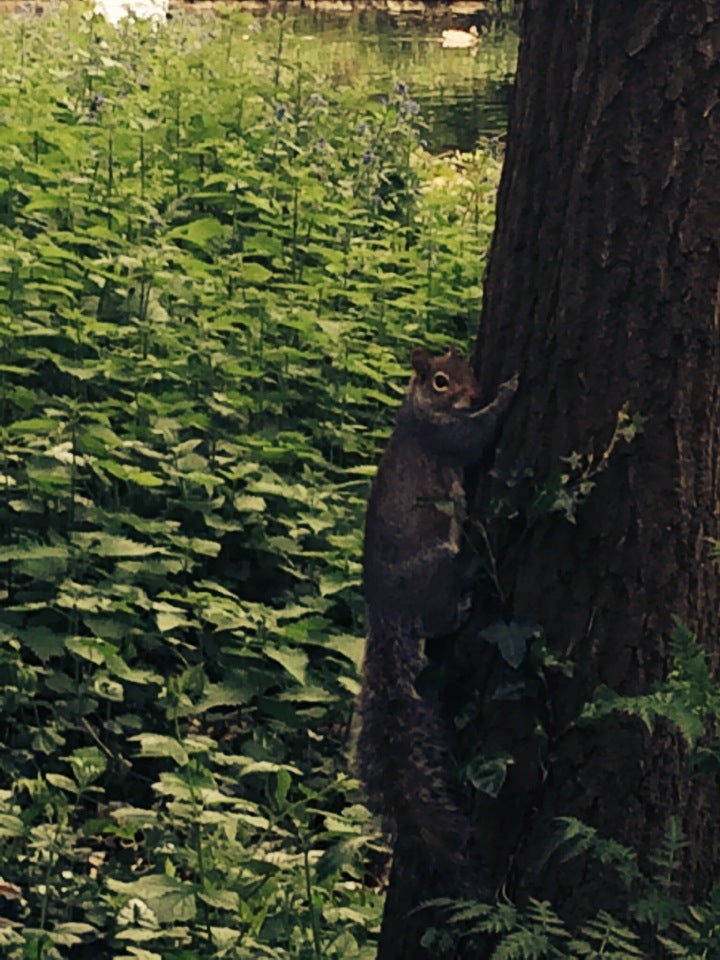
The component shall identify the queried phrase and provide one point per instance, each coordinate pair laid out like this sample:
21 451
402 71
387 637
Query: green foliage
689 697
487 772
214 262
699 930
655 905
563 492
573 837
507 933
685 931
511 640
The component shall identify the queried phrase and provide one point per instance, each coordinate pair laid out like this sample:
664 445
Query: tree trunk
603 290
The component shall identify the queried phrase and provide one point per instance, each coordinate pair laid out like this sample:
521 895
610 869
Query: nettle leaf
189 783
249 766
171 900
143 478
107 627
205 548
32 551
143 924
221 695
222 899
43 642
294 661
11 826
62 782
350 646
135 818
104 545
244 503
336 582
198 232
227 615
43 426
109 689
69 934
170 619
88 764
255 273
119 668
90 648
159 745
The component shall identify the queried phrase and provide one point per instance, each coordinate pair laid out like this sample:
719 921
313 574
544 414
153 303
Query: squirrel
414 592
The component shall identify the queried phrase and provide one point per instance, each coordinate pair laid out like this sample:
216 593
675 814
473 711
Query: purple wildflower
411 107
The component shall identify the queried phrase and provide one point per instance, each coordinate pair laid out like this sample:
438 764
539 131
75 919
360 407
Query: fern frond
541 915
667 858
689 698
525 945
573 837
606 937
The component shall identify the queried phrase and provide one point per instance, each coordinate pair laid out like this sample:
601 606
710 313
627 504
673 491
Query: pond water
463 93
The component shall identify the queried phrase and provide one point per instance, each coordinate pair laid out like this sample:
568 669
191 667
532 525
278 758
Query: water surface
463 94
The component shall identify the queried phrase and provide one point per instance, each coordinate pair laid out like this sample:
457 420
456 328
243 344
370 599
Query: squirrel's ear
420 361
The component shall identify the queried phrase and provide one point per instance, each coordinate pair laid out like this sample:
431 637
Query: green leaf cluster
658 914
689 697
503 932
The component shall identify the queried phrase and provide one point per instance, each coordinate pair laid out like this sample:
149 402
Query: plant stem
311 905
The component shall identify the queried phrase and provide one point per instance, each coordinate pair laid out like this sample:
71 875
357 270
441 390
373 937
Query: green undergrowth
214 263
656 921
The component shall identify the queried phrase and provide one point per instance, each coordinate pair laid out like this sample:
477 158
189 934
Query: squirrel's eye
441 381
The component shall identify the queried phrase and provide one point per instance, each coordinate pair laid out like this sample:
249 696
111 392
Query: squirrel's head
445 383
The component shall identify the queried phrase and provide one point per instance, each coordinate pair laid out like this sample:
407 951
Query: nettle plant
214 262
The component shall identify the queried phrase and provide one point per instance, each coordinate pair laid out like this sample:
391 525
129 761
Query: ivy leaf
487 773
511 639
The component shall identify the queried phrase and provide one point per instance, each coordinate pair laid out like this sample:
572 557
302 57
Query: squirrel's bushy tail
403 759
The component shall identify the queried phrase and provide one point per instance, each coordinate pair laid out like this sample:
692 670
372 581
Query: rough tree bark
603 289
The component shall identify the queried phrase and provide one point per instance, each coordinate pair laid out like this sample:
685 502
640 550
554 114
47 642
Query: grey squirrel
413 586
